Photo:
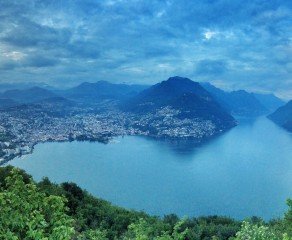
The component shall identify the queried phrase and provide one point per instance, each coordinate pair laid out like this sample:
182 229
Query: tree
288 219
145 231
26 213
256 232
93 235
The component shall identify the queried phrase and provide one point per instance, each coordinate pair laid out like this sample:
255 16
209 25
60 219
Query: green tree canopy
27 213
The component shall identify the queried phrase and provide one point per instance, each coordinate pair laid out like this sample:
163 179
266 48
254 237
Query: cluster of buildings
167 123
22 128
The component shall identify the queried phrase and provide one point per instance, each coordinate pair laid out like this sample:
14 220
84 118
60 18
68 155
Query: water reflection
188 147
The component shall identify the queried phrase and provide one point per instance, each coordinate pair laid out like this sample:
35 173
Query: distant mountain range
242 103
101 90
269 101
283 116
177 107
237 103
85 93
30 95
23 86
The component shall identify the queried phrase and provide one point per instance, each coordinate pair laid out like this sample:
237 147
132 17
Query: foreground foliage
45 210
256 232
27 213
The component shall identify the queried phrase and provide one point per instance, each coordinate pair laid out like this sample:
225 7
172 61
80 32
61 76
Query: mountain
244 103
22 86
56 101
269 101
6 103
283 116
179 103
101 90
30 95
238 103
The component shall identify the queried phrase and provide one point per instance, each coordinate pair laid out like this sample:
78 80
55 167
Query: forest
45 210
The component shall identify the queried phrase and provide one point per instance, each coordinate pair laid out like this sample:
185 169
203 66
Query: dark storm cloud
236 43
36 61
40 61
25 33
211 67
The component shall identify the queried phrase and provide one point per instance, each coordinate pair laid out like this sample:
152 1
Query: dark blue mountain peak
182 94
283 116
180 82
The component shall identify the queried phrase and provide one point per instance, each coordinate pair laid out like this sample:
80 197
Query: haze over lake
244 172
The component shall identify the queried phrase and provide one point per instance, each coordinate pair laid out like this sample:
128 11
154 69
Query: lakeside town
25 126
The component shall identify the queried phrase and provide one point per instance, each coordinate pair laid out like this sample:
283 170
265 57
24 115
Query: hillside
283 116
179 102
30 95
6 103
238 103
269 101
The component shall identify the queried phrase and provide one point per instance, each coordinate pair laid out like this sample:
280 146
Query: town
25 126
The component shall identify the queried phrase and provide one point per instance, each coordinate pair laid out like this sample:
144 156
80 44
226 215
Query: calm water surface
245 172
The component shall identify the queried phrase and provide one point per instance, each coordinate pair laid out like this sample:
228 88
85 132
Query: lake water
244 172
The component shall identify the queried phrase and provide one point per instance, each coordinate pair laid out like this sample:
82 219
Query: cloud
211 67
25 33
40 61
8 65
209 34
243 44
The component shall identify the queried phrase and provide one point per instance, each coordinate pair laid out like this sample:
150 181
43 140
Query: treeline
45 210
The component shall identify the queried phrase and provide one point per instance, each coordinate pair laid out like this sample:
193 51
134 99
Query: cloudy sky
231 43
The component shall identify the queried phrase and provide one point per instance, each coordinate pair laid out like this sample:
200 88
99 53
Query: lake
245 172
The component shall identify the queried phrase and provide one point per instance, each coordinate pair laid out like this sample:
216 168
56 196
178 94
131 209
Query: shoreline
20 154
108 139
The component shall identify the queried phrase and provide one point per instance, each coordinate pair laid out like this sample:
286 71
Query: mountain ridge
181 104
239 102
270 101
100 90
283 116
30 95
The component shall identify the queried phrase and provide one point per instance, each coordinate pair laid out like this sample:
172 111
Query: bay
245 172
